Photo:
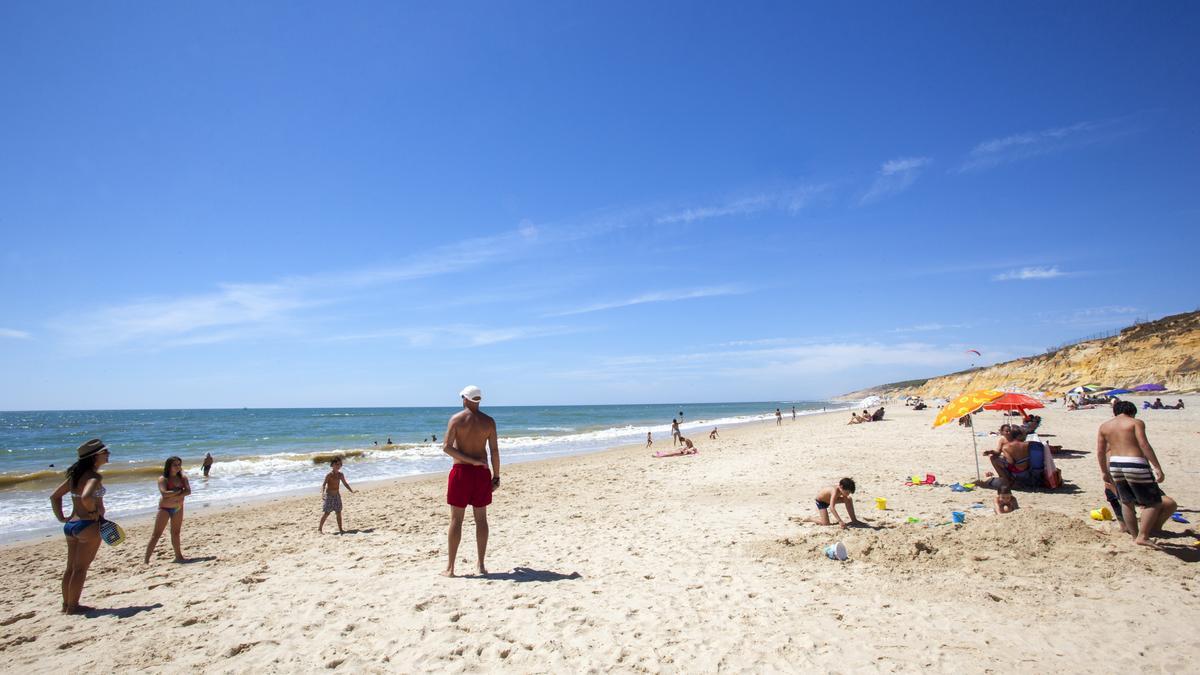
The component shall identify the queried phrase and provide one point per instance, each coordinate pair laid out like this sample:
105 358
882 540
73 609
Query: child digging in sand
830 497
331 499
1006 501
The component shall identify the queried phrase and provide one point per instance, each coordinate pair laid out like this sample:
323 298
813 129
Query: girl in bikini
173 486
82 528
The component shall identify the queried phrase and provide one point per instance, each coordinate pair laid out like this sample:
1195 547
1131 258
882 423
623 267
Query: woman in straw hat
82 528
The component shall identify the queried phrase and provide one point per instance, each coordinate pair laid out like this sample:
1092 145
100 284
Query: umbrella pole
975 446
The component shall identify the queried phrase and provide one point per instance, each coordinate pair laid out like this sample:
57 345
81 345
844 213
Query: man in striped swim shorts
1128 462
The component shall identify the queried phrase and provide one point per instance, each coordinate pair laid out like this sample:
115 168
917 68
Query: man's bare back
1124 436
469 433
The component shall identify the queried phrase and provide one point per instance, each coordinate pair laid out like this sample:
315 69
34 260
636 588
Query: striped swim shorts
1134 481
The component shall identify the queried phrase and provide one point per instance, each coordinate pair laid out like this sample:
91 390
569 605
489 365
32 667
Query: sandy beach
619 561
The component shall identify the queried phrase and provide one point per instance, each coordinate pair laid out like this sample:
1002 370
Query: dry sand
617 561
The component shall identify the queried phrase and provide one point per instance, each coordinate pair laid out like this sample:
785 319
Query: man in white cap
468 435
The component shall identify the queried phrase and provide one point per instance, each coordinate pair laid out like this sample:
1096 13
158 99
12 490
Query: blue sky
304 204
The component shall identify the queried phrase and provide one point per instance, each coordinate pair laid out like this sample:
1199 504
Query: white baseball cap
471 392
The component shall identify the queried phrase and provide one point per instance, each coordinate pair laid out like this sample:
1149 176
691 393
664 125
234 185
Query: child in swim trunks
830 497
331 499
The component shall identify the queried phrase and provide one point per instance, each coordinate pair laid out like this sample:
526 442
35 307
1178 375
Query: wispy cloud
774 363
930 327
895 176
1108 315
1029 144
791 200
1030 274
243 310
458 335
14 334
656 296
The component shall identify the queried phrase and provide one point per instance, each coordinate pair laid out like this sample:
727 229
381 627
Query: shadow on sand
526 574
199 559
121 612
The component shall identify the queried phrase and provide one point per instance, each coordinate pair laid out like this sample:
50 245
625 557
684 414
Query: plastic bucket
958 516
836 551
881 503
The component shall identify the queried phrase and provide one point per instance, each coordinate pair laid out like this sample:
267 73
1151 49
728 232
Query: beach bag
111 533
1051 472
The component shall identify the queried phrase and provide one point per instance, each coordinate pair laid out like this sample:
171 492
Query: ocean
260 452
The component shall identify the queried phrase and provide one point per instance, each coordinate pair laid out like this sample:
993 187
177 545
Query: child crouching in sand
830 497
331 499
1006 501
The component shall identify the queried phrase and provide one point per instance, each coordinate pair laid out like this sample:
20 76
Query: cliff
1166 351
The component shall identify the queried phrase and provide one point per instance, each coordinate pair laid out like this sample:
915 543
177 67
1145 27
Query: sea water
259 452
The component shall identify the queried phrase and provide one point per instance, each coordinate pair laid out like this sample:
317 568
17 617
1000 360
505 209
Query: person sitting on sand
830 497
173 486
712 435
686 446
82 527
1178 404
1006 501
331 498
1157 405
1010 459
208 462
1127 461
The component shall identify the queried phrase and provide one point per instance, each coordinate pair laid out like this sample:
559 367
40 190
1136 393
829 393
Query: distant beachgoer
208 462
778 418
433 437
674 432
712 435
425 440
649 439
1158 404
173 486
82 527
828 499
1179 404
389 440
1006 501
1127 461
469 435
793 413
375 442
331 498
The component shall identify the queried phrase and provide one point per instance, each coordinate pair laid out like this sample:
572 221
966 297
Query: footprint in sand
17 617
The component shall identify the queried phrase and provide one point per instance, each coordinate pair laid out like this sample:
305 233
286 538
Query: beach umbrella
1013 401
1088 389
1150 387
870 401
965 405
1116 392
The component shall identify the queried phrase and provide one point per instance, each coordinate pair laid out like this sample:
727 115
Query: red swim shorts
469 484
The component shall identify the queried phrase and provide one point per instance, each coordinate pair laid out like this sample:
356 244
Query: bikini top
100 492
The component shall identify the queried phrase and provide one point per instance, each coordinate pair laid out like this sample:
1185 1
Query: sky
374 204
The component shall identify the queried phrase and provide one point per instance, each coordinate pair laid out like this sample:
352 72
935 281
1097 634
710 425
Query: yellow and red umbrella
966 404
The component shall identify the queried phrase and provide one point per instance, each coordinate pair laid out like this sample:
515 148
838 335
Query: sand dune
618 561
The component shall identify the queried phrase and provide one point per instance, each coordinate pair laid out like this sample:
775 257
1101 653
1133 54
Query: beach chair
1042 473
